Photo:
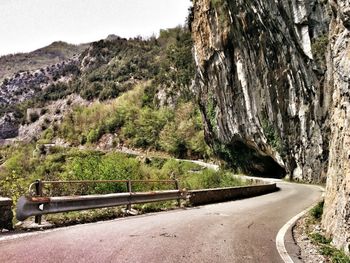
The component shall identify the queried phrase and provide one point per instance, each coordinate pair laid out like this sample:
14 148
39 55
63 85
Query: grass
323 243
87 216
320 239
336 255
22 164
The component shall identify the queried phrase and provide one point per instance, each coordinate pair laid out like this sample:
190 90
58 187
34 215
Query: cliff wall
274 101
259 88
336 217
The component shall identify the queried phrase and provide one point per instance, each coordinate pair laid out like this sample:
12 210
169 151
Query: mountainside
116 93
271 102
54 53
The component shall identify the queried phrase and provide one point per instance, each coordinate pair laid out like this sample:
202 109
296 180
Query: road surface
238 231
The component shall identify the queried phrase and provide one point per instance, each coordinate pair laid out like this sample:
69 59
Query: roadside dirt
309 252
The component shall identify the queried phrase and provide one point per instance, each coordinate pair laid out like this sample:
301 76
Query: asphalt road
237 231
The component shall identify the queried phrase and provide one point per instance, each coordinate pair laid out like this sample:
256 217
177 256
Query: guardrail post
38 192
128 207
177 186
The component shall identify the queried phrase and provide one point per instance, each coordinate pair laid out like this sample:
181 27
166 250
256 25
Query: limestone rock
270 105
263 105
336 218
8 126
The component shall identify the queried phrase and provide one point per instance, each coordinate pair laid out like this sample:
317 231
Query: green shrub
33 117
336 256
318 238
210 179
17 172
317 211
93 136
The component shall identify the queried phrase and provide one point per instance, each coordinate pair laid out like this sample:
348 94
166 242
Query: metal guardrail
39 205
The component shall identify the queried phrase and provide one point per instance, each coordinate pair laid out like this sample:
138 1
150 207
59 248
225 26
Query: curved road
238 231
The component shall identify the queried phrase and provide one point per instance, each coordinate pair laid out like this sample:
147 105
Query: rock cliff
272 104
337 203
259 89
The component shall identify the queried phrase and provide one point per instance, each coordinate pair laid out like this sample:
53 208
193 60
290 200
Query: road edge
280 237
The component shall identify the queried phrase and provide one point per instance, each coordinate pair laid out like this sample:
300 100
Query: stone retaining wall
6 214
207 196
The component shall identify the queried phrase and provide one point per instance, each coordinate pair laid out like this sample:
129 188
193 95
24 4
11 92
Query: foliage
24 164
49 55
134 118
16 173
177 66
136 124
326 249
272 136
317 211
336 255
324 243
319 49
211 179
184 136
33 117
113 66
318 238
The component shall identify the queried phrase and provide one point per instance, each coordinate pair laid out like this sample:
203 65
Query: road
238 231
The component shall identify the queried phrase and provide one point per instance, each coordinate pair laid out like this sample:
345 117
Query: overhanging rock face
273 86
259 89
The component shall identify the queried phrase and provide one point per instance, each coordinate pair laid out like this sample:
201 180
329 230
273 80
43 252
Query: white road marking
282 232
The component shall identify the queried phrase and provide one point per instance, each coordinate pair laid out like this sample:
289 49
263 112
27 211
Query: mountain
54 53
272 84
139 90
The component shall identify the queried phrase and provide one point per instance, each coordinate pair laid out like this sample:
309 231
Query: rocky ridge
25 85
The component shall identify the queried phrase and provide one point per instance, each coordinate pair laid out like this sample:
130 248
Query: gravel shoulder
309 252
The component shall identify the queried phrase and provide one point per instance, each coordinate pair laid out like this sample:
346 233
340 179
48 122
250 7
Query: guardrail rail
39 205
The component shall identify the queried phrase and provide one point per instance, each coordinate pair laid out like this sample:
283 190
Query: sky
26 25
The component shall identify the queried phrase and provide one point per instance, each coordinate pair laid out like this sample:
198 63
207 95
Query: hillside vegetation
27 162
140 97
136 94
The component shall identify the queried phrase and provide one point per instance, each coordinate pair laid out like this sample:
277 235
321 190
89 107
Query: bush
43 111
211 179
33 117
317 211
318 238
177 132
17 172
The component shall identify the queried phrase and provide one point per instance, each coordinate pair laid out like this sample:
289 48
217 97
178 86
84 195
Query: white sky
26 25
